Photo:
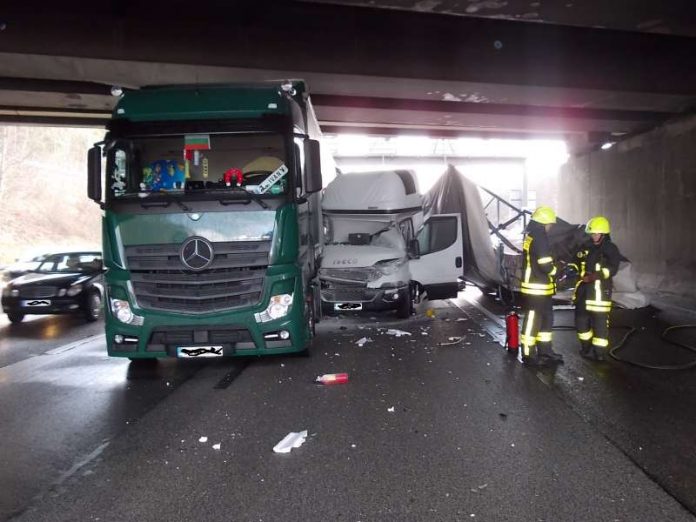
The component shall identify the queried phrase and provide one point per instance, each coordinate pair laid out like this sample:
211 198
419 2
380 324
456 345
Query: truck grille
233 280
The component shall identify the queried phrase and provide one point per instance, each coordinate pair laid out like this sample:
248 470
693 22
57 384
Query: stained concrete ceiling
587 71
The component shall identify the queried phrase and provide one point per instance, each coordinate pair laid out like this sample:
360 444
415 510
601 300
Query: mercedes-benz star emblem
196 253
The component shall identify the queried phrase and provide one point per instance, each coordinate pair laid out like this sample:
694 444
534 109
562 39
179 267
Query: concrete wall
646 186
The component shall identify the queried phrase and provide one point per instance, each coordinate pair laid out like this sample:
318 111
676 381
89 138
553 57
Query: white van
372 257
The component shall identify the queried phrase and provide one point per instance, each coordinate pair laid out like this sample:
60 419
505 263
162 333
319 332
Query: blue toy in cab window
166 175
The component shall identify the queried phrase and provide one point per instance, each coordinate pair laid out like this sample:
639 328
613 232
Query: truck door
440 263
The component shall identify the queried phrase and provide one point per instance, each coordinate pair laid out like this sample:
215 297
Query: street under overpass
588 74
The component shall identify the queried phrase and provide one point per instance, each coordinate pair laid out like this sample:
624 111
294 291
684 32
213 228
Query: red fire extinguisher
512 331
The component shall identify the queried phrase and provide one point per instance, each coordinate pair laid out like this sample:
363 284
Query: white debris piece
294 439
397 333
203 439
581 379
391 410
363 341
216 446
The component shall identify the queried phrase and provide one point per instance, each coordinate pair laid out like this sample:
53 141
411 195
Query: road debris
361 342
294 439
452 341
203 439
397 333
391 410
332 378
216 446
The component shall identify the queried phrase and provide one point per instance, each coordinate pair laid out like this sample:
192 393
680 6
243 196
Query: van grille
233 280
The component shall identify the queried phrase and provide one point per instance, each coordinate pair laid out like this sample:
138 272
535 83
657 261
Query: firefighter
597 265
538 288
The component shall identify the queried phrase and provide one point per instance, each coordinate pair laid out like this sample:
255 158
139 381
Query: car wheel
94 307
15 318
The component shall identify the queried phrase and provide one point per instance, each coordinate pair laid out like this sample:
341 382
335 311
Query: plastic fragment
397 333
294 439
216 446
391 410
332 378
363 341
203 439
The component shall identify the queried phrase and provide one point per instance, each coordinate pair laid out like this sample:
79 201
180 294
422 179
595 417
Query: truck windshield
215 164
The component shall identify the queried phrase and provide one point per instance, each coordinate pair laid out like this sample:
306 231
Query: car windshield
80 262
238 164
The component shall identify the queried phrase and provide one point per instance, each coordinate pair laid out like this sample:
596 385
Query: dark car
21 267
69 282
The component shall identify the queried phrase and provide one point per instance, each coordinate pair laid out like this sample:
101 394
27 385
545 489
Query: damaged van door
439 267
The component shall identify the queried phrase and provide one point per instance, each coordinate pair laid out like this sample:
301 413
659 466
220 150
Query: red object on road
512 331
333 378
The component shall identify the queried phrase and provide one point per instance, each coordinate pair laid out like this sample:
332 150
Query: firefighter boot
547 354
598 353
586 349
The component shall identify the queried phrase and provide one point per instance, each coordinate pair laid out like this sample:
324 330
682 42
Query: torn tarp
454 193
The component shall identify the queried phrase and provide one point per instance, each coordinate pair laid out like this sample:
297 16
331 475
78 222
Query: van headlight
278 306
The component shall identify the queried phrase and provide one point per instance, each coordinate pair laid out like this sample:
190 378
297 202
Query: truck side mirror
94 174
313 181
414 249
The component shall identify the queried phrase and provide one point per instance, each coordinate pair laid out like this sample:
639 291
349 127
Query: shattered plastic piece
216 446
397 333
363 341
332 378
452 341
294 439
430 313
203 439
581 378
391 410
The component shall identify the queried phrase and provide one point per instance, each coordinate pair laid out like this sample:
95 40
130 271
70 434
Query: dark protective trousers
537 325
592 327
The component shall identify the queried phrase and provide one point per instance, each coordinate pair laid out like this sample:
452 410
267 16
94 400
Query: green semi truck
211 222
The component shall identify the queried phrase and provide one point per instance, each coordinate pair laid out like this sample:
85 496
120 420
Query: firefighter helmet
544 215
597 225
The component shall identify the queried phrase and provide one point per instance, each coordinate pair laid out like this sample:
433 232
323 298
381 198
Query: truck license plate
199 351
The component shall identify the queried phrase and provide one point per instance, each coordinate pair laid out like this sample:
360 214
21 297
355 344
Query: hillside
43 190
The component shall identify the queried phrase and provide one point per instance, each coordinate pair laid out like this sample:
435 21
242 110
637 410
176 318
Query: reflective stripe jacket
538 268
603 261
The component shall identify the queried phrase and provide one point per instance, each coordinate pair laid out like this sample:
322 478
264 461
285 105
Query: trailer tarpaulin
454 193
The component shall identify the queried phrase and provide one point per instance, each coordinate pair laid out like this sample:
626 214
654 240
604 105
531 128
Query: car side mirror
312 156
94 174
414 249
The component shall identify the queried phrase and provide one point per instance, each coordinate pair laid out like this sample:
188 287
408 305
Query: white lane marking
70 346
499 335
76 467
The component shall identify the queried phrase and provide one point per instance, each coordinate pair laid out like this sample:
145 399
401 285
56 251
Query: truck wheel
15 318
93 307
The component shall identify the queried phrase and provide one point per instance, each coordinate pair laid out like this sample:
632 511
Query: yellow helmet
597 225
544 216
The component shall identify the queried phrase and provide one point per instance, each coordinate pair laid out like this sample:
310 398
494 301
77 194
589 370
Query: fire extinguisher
512 331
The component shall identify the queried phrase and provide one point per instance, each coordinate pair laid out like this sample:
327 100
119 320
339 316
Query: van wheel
93 307
15 318
406 306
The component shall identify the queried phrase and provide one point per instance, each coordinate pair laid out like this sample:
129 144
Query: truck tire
15 318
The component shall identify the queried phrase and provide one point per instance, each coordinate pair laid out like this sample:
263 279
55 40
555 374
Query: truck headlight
74 290
389 266
122 311
278 306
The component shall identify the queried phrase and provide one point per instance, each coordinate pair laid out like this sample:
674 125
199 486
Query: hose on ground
630 330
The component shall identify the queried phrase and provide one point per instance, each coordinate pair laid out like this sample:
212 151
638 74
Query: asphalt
424 430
